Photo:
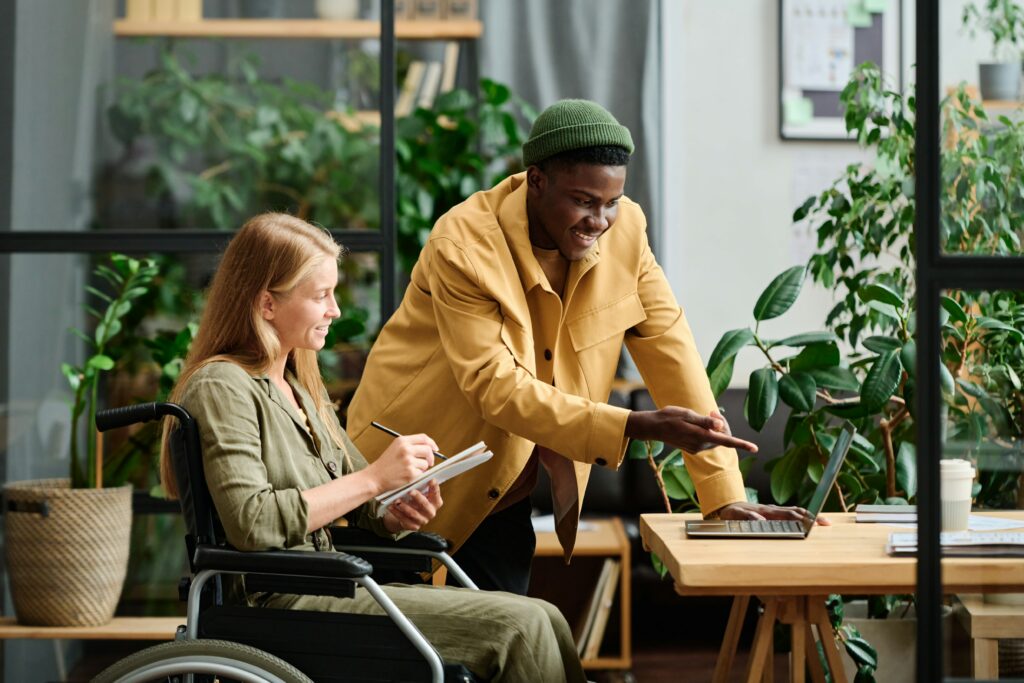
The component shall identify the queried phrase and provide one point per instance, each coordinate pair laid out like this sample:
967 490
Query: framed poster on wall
820 44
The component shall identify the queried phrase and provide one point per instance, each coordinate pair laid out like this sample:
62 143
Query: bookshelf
552 579
298 28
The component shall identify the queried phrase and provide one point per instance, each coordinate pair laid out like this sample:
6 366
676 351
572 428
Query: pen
392 432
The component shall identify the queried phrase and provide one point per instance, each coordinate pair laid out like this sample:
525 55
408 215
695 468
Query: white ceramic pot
894 639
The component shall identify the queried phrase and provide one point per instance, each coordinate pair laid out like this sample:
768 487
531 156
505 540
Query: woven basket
66 551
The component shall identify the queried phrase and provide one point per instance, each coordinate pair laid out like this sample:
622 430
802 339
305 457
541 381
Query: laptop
778 528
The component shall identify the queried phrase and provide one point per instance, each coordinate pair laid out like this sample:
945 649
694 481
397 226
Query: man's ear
536 179
266 303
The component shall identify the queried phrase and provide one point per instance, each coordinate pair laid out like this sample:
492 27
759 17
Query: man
510 333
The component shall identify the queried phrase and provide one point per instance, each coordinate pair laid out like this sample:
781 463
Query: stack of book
590 631
424 81
435 9
963 543
163 10
887 513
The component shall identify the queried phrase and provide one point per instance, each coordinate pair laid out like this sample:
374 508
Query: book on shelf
431 81
963 543
426 9
457 10
442 471
410 86
886 513
139 10
586 624
604 609
450 66
404 9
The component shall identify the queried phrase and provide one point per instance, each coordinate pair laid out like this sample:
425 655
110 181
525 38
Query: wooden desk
605 538
792 577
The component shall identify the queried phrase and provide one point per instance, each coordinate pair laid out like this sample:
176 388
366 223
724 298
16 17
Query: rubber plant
860 366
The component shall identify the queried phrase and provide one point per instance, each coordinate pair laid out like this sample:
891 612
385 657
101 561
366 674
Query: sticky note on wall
797 110
857 15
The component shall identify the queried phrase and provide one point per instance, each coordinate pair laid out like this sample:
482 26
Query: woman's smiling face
303 316
570 207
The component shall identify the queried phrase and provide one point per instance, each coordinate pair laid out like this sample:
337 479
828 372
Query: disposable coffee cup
956 481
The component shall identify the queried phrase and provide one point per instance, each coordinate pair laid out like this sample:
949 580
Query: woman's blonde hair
272 252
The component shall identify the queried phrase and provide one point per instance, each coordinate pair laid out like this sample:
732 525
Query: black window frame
936 272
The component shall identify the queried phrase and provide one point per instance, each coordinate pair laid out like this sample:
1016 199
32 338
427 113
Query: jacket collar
304 400
515 225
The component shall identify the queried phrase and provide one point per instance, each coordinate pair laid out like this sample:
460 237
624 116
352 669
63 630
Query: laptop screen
828 477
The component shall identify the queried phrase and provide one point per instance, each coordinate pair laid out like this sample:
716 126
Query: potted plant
66 540
861 366
1004 21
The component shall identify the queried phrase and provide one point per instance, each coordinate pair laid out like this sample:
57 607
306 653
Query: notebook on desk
776 528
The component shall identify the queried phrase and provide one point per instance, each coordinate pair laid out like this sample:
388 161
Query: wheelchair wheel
202 660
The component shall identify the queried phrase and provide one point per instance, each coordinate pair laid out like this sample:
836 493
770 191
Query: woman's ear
266 301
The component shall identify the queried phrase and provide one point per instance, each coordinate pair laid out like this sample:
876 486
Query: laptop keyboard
765 526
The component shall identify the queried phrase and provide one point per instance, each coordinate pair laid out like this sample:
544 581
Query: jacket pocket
606 322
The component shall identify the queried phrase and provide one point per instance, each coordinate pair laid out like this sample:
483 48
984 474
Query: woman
280 468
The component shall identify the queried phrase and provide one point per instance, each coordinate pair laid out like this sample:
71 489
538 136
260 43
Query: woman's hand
402 461
414 510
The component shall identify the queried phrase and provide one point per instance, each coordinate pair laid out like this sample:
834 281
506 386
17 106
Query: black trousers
499 554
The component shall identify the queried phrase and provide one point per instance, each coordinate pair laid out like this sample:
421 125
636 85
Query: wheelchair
226 642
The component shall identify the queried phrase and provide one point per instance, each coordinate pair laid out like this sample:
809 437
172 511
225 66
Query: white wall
731 184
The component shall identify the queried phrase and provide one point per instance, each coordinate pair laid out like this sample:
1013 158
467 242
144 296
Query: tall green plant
1001 19
861 366
128 279
228 146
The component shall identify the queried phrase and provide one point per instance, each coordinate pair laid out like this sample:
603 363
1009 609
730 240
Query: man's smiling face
570 206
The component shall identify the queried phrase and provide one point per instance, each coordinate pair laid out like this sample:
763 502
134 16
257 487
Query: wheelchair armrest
419 540
332 565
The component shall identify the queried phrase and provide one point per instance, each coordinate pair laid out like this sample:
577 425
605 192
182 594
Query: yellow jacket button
493 493
547 354
600 461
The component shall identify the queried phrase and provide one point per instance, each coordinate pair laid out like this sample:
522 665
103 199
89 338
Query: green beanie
573 124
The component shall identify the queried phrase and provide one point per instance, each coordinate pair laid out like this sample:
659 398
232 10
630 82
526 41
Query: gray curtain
602 50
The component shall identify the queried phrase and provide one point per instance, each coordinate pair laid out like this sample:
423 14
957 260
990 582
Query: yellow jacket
472 351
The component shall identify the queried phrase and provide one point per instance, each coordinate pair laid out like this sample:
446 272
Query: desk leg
985 659
798 657
828 643
732 637
760 650
813 660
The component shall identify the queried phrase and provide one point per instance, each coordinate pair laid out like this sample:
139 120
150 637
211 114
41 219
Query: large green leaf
805 339
882 380
721 377
728 346
678 484
880 344
788 474
908 357
836 378
876 292
797 389
956 312
906 469
780 294
762 397
815 356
